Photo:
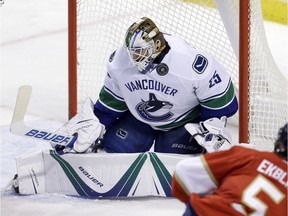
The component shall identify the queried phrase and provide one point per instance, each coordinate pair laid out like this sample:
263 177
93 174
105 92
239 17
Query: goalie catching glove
211 134
86 129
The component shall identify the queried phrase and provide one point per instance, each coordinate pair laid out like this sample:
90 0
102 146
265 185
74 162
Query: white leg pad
97 175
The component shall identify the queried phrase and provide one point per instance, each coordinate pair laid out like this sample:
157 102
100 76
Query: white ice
34 52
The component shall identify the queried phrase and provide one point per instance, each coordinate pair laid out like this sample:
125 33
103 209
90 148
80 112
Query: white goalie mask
144 42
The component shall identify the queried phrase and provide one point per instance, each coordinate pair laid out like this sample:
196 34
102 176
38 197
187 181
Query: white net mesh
268 87
102 26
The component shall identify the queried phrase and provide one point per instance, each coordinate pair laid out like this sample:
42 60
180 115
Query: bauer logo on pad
200 63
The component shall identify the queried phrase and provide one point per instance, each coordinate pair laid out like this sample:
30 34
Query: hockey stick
18 126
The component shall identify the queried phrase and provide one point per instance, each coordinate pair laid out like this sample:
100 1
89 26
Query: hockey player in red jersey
239 181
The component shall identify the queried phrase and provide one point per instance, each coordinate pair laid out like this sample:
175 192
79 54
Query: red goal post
231 30
72 57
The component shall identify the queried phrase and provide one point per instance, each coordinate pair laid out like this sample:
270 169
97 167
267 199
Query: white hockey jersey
174 92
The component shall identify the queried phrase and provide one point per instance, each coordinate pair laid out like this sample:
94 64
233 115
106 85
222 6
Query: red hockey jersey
239 181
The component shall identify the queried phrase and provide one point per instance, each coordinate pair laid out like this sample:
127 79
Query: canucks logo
200 63
154 109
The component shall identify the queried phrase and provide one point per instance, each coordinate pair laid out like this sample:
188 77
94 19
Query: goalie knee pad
128 135
177 141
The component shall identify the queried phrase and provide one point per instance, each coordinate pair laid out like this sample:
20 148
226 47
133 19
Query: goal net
97 28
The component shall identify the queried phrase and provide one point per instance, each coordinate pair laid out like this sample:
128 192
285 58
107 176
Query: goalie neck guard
144 42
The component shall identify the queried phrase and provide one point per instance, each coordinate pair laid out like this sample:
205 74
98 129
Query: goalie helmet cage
97 28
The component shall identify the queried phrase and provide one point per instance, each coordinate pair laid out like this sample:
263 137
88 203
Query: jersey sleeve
221 164
215 91
111 104
203 174
110 95
191 176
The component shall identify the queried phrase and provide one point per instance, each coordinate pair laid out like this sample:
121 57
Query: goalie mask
280 147
144 43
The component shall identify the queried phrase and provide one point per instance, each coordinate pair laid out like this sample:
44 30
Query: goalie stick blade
19 128
22 102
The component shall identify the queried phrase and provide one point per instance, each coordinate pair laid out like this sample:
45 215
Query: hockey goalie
158 91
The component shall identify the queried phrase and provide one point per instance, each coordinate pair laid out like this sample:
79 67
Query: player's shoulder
249 151
239 152
243 148
177 44
197 62
119 58
181 46
258 157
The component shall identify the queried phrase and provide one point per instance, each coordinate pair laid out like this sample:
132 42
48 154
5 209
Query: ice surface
34 52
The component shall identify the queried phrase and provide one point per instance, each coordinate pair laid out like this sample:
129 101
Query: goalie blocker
96 175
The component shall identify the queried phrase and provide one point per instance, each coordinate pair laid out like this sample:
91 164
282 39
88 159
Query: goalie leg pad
97 175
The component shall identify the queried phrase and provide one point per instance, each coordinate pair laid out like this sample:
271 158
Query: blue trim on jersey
227 111
106 116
